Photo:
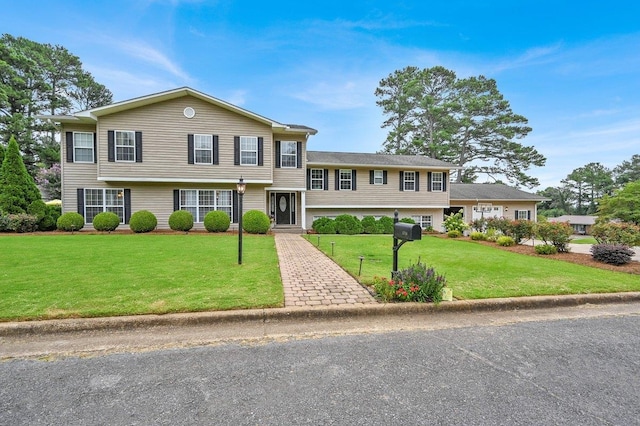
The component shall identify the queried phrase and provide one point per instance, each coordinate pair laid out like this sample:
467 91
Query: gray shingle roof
367 159
490 191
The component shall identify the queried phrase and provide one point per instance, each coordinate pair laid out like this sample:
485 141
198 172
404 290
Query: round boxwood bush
70 222
217 221
454 233
324 225
106 221
386 223
143 221
181 220
348 225
255 222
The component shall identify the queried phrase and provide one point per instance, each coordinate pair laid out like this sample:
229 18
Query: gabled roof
92 115
490 191
323 158
575 219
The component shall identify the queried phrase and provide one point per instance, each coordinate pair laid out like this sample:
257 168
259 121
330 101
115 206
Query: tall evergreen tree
17 188
628 171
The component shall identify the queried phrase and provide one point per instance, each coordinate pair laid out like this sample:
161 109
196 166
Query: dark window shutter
236 150
299 155
69 145
308 178
384 177
138 147
429 181
260 151
176 200
81 201
190 154
278 147
216 150
127 205
515 214
417 181
111 146
325 176
444 182
337 180
528 214
401 181
371 179
235 207
353 180
95 147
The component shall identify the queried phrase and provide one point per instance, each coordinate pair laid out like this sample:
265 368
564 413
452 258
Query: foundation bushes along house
256 222
143 221
106 222
217 221
70 222
181 220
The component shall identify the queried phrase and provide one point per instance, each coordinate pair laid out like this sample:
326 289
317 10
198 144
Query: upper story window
317 178
409 182
345 180
125 145
437 181
248 150
83 147
289 154
378 177
203 149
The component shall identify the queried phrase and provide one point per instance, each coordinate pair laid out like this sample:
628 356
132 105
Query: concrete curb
115 324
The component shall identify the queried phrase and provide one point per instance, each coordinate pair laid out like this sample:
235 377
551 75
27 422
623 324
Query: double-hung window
83 147
125 144
203 149
436 181
103 200
522 214
425 221
289 154
201 201
378 177
317 178
345 180
248 150
409 183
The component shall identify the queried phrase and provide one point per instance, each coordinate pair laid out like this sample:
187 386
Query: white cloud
144 52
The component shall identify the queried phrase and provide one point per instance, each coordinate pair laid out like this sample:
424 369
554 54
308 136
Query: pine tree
17 188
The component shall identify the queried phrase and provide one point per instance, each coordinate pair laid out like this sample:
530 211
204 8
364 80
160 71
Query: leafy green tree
2 150
589 183
624 204
464 121
17 188
628 171
559 204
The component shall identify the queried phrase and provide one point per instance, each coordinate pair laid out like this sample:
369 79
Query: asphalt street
573 366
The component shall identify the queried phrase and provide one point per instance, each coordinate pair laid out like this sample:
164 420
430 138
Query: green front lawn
474 271
80 275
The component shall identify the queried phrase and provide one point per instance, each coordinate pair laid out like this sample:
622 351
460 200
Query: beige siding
510 206
164 142
369 195
76 175
290 177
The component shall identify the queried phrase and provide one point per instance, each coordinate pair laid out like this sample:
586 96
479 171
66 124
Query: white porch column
303 209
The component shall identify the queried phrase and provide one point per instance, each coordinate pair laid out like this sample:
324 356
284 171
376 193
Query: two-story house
184 150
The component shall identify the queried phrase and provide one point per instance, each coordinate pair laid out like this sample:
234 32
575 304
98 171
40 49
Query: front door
283 208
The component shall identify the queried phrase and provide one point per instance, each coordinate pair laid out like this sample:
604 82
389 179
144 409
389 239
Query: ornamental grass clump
417 283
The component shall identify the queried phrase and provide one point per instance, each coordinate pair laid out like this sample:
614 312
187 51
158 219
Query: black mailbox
407 231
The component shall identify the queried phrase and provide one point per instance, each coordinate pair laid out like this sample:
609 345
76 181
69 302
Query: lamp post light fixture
241 187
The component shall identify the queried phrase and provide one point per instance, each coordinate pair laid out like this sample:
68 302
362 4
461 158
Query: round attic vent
189 112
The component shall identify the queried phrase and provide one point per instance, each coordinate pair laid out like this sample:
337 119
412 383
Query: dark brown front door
283 208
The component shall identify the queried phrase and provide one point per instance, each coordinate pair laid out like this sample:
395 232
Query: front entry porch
283 211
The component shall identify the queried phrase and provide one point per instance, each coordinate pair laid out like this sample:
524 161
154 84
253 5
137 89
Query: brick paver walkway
312 279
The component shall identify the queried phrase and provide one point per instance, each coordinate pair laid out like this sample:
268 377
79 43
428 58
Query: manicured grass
584 240
80 275
474 271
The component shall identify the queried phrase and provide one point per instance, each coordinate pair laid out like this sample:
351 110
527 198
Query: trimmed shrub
555 233
256 222
4 223
386 224
106 221
613 254
23 222
37 208
616 233
324 225
70 222
454 222
48 222
181 220
478 236
348 225
546 249
370 225
505 241
143 221
454 233
217 221
407 220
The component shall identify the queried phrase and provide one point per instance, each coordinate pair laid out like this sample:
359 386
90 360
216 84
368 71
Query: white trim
178 180
93 151
378 206
303 210
318 165
284 189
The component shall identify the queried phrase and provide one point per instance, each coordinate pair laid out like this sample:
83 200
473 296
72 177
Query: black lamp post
241 187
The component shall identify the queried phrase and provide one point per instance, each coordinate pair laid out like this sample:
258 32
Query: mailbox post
403 232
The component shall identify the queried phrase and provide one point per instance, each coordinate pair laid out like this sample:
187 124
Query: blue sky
572 68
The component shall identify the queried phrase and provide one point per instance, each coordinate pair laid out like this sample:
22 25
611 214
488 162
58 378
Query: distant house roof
575 219
490 191
368 159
